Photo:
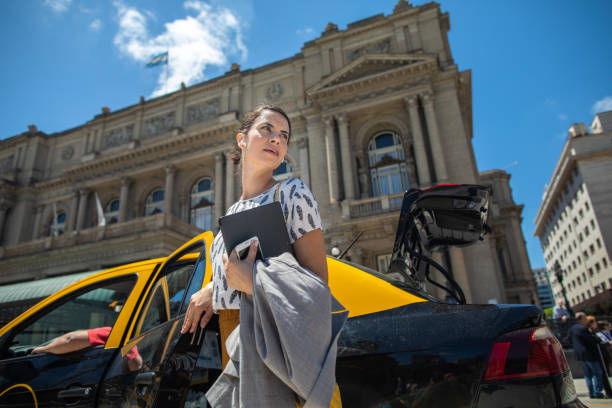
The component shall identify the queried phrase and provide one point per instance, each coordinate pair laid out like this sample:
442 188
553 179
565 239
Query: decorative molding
159 124
381 47
6 164
274 91
67 153
118 136
203 112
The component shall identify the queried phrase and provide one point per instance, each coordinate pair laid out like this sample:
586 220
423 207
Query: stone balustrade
371 206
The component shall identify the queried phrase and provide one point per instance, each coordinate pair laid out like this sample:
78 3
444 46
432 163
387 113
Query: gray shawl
284 349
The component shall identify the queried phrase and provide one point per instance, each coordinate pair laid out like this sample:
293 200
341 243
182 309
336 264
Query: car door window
92 307
166 296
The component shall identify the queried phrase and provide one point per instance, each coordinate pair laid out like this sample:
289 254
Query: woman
260 146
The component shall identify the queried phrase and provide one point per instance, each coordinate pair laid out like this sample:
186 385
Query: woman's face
266 141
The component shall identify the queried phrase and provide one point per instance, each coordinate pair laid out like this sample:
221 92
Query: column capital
170 169
126 181
219 157
411 101
428 97
83 191
301 143
342 118
328 120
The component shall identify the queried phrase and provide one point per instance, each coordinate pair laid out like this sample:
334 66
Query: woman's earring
241 143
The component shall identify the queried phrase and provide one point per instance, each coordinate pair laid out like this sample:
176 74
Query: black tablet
265 222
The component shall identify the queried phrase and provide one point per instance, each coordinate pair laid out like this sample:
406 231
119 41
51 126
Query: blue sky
537 66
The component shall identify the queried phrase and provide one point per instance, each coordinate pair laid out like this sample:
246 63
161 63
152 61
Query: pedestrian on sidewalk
587 352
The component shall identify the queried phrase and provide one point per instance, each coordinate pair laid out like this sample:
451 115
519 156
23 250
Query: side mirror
451 215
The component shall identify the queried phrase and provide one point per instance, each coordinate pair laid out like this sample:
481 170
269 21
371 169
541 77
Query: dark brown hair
248 121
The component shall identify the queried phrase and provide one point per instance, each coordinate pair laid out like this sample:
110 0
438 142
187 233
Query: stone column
434 137
303 157
124 203
73 211
230 169
332 163
460 272
4 206
317 163
347 158
83 194
169 189
356 255
418 142
219 210
37 221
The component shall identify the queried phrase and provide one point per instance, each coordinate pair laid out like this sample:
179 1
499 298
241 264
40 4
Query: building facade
574 221
376 108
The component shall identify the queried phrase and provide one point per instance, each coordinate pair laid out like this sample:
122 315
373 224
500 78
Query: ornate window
58 224
387 164
155 202
111 212
283 171
202 201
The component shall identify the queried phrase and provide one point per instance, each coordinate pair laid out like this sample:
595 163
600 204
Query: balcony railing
140 225
372 206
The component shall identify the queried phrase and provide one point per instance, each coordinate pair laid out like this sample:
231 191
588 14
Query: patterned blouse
301 216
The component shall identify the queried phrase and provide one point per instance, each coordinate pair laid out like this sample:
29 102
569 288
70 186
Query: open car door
157 365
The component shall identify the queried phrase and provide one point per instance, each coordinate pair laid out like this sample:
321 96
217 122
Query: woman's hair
248 121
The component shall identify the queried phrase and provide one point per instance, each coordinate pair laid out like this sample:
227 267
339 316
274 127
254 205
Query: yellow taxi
143 360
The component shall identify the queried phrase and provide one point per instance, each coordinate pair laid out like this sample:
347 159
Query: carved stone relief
117 137
203 112
6 164
67 153
382 47
274 92
159 124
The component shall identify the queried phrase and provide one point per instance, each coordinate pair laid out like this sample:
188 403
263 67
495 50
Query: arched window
283 171
387 164
58 224
111 212
155 202
202 200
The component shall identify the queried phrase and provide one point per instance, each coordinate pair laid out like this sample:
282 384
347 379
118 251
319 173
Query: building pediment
371 67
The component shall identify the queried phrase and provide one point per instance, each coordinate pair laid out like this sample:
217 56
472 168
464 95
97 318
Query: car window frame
10 335
164 287
145 297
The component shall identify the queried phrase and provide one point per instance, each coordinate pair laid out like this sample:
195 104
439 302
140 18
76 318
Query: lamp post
559 275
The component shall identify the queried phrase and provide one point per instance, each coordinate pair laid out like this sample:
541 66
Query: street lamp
559 274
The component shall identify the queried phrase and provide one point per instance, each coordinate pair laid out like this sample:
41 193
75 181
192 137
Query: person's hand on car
199 310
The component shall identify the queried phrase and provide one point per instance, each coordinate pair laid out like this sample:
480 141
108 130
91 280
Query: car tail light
526 353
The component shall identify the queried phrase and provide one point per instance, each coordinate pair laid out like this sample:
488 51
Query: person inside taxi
260 147
81 339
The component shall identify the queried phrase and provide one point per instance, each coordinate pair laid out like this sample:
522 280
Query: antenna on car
350 245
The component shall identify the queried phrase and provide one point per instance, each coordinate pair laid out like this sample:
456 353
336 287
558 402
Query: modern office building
574 221
376 108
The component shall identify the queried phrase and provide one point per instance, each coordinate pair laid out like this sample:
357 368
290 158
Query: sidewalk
583 395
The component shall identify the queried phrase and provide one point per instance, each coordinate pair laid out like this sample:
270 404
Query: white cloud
562 116
58 6
305 32
96 25
193 43
602 105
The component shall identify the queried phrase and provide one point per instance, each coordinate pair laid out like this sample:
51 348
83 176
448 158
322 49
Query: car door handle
145 378
74 393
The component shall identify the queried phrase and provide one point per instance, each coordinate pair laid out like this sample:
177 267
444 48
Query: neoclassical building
376 108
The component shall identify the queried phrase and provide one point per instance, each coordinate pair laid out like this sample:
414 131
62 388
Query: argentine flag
159 59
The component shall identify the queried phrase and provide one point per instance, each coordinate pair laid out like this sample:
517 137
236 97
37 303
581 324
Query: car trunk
425 354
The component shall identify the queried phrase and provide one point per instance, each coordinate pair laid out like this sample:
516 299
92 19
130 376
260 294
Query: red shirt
99 335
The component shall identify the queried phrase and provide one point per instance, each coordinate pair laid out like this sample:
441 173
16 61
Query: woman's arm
310 252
